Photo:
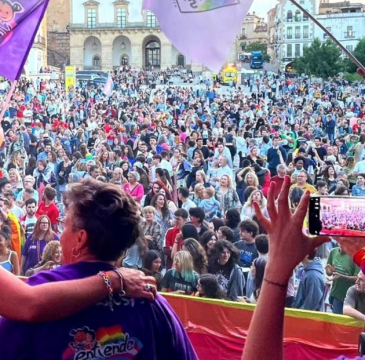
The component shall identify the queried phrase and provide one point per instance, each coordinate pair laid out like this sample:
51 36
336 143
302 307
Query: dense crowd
195 156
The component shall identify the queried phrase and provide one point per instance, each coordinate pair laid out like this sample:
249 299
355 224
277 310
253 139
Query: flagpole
343 48
7 101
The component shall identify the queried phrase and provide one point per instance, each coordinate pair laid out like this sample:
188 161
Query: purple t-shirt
33 250
136 329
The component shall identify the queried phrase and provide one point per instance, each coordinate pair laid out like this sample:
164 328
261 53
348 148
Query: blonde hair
202 173
255 178
229 180
148 209
210 191
187 265
50 250
263 199
196 188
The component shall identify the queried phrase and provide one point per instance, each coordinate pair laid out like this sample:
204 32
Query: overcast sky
261 7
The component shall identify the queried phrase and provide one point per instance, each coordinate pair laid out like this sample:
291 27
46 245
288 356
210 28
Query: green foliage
259 46
359 53
321 59
351 77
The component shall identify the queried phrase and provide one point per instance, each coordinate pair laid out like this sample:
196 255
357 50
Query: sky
261 7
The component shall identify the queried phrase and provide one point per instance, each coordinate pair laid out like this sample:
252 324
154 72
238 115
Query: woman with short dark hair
102 222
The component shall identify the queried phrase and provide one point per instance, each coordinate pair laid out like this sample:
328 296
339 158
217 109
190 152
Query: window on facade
151 19
91 18
289 16
298 16
305 32
350 48
289 33
297 50
121 18
301 2
297 32
96 61
305 17
289 52
350 31
243 31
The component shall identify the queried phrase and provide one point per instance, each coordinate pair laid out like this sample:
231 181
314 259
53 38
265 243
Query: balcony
114 26
242 37
39 42
349 34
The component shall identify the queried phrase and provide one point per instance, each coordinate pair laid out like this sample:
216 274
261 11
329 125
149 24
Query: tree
321 59
259 46
359 53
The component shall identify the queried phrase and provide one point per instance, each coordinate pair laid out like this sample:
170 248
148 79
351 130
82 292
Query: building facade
290 31
103 37
37 57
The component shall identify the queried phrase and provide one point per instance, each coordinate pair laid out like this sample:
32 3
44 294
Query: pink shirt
137 192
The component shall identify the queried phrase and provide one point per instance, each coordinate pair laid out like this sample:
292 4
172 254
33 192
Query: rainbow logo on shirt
104 343
196 6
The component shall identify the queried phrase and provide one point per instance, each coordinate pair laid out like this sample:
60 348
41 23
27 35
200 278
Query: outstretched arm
53 301
288 246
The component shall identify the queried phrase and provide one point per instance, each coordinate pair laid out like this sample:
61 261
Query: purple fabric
203 30
17 33
136 329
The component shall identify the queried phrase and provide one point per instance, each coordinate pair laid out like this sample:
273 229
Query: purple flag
203 30
19 23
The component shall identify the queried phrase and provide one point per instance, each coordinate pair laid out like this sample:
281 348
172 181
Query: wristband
122 291
108 283
282 286
359 259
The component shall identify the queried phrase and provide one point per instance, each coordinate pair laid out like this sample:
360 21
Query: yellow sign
70 77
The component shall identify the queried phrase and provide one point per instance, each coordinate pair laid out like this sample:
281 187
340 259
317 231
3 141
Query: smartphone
337 216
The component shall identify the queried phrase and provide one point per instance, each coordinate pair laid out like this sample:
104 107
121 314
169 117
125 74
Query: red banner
218 330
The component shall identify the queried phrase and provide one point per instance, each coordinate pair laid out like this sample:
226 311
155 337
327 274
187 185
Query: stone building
58 36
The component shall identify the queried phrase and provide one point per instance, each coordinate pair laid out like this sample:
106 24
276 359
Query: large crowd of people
198 159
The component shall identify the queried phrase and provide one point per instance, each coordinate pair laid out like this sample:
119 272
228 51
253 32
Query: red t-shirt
171 236
51 211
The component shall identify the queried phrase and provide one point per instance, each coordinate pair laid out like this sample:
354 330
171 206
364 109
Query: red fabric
171 236
266 184
51 211
279 183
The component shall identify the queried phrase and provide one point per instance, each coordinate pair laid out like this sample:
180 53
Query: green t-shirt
344 265
173 281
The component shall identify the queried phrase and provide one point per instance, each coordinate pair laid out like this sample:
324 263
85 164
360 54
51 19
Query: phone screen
337 216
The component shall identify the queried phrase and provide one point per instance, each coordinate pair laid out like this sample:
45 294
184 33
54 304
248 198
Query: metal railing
349 34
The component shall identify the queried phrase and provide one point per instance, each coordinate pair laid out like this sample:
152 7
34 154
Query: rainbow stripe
111 334
214 4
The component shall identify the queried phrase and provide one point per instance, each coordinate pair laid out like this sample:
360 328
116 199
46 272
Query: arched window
305 17
298 16
153 54
96 61
181 60
289 16
124 60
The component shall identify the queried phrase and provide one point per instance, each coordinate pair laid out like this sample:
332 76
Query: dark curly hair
216 252
108 215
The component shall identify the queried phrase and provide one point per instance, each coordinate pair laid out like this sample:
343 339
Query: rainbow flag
19 23
202 30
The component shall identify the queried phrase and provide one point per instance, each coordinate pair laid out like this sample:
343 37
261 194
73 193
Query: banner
202 30
218 330
19 23
70 77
